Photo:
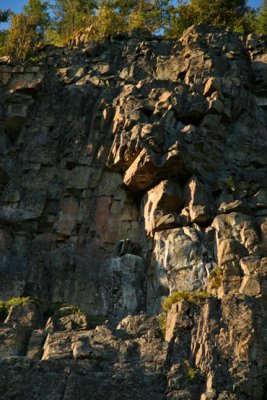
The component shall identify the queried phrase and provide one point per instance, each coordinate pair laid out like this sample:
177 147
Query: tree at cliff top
38 17
27 30
117 15
148 15
106 21
233 14
71 16
261 21
4 15
20 37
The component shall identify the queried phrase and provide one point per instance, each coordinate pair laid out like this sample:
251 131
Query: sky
17 5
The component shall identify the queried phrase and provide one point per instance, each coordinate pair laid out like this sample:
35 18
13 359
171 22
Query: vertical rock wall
131 169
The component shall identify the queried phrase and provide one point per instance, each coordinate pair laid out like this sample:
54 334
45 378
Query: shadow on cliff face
159 143
128 363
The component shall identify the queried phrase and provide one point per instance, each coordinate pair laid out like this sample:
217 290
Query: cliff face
131 169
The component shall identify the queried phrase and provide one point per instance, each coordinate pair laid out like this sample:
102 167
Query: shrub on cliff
191 297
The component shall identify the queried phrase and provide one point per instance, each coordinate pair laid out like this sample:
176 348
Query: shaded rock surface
130 169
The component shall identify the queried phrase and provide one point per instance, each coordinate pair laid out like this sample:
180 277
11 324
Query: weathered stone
29 80
27 315
212 85
35 344
231 251
142 174
57 346
179 263
66 319
91 136
13 341
67 216
236 226
167 196
250 286
197 200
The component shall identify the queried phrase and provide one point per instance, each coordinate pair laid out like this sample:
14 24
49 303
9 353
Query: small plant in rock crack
191 373
231 183
18 300
215 278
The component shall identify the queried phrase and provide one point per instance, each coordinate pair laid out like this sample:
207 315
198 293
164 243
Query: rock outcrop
132 169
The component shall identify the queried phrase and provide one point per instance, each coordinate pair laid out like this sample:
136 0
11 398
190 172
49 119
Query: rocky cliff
132 170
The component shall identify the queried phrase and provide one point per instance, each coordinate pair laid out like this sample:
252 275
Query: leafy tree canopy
233 14
100 18
4 15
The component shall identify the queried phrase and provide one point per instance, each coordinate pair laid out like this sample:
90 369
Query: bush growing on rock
191 297
5 306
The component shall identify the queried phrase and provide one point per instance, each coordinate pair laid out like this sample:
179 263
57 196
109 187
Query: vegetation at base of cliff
41 23
192 297
5 306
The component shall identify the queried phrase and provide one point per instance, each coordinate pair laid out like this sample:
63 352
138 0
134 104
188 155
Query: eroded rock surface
130 169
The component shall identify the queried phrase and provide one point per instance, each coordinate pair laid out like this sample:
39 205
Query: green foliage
18 300
53 37
98 19
37 58
181 18
261 22
21 38
192 297
191 373
231 183
3 42
5 306
71 16
233 14
216 278
38 17
27 30
4 15
148 15
106 22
